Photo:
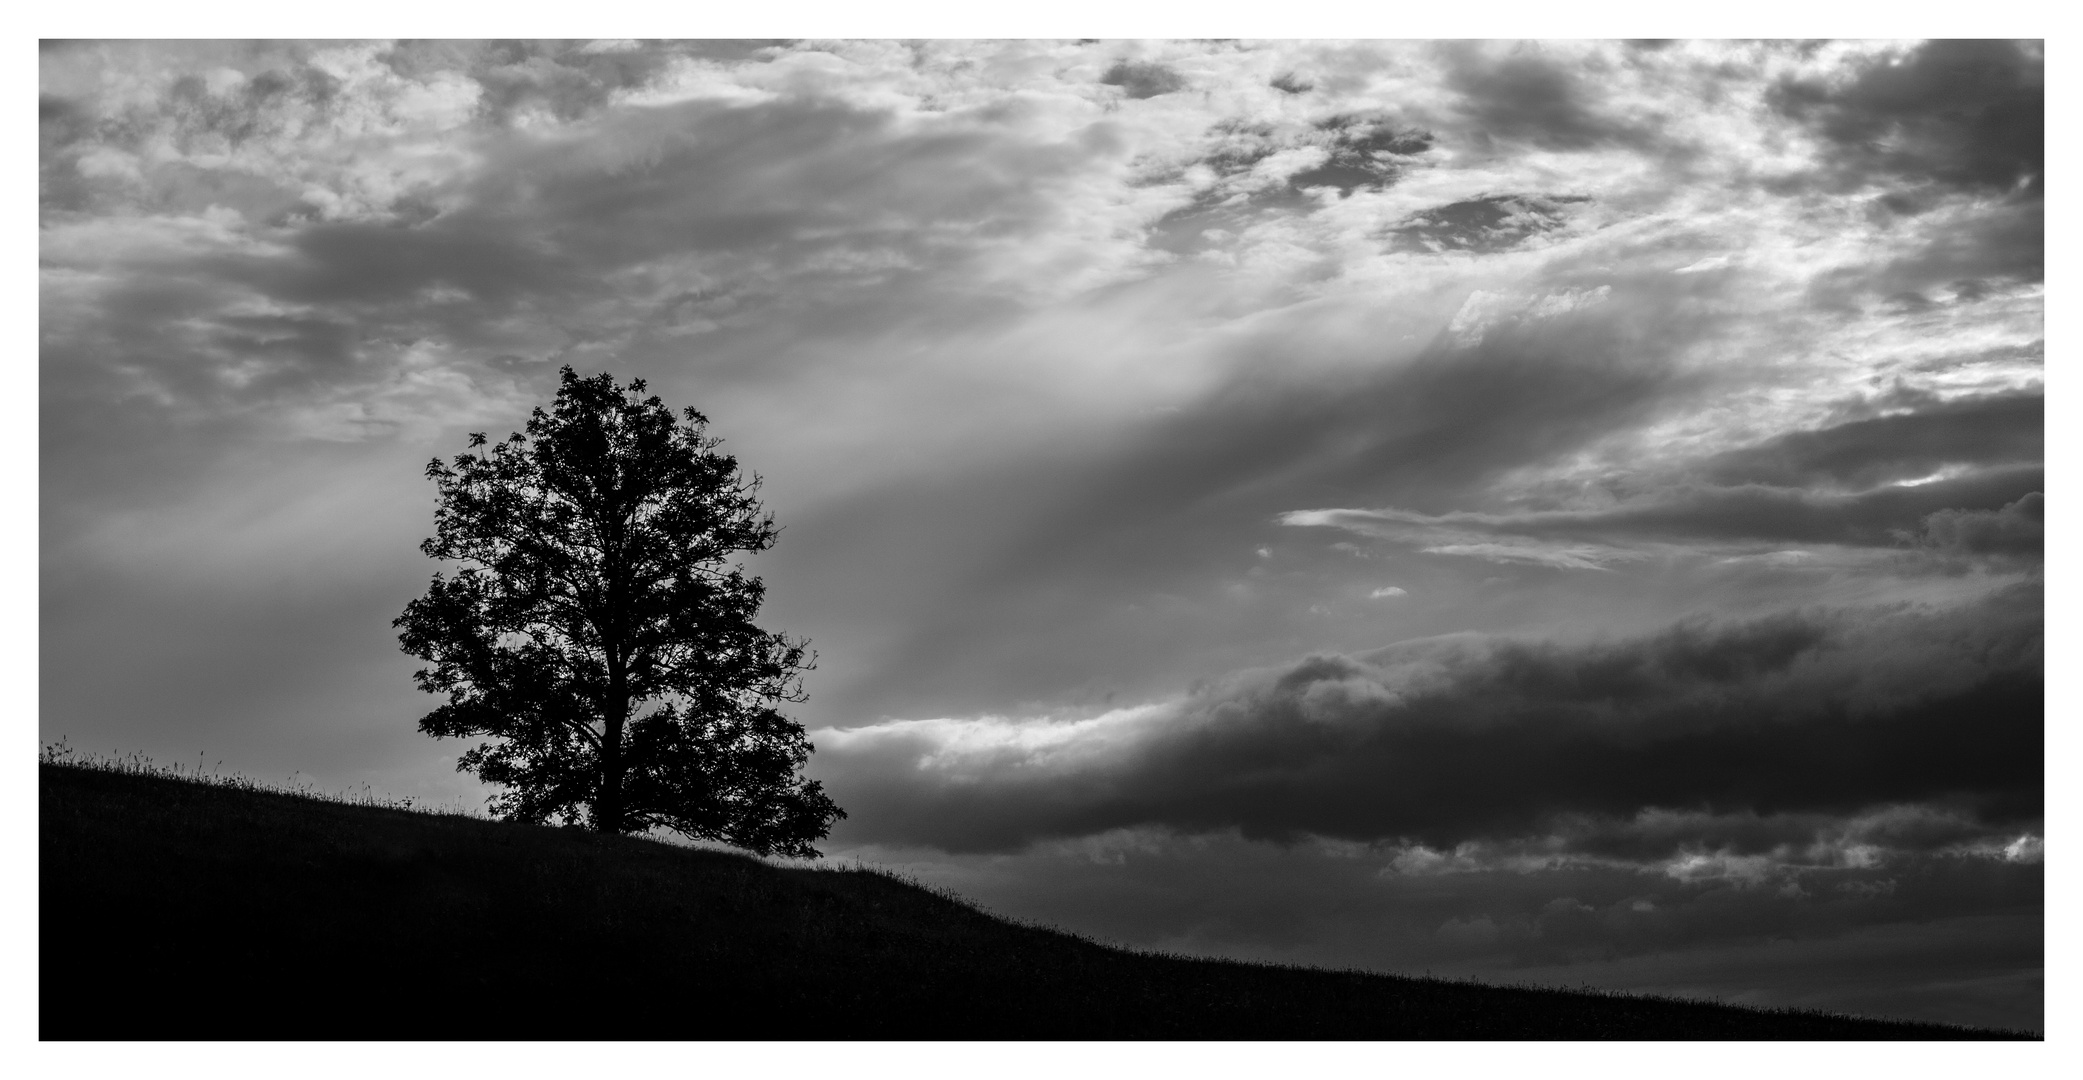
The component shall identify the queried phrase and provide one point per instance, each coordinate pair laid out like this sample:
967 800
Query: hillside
179 910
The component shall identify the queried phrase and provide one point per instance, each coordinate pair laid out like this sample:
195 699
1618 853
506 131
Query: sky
1561 512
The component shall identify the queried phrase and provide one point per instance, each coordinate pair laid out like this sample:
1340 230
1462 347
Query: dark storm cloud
1444 741
1948 120
1982 430
2016 531
1965 114
1290 83
1143 78
1526 96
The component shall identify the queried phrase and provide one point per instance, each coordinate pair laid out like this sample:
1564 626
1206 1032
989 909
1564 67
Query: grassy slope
173 909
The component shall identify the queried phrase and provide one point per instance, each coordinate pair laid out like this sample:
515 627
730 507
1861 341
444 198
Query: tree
596 632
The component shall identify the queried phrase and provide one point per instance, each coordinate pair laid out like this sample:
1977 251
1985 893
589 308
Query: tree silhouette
595 631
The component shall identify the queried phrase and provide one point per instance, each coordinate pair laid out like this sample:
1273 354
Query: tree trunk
608 809
607 803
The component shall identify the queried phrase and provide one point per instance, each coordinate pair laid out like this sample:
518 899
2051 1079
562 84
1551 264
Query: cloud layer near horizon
1747 738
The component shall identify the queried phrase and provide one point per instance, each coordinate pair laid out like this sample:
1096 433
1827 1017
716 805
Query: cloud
1745 847
1443 741
1923 934
931 290
1974 430
1954 131
1521 93
1248 175
1970 243
562 81
1469 535
631 233
1363 152
1751 513
1966 114
1901 478
1109 533
1489 223
2012 536
1143 78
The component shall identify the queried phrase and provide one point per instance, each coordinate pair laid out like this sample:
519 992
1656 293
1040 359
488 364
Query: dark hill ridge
181 910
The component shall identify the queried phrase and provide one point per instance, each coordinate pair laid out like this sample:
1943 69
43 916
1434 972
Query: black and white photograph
1039 540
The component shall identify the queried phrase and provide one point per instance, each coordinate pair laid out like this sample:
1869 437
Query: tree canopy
595 630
